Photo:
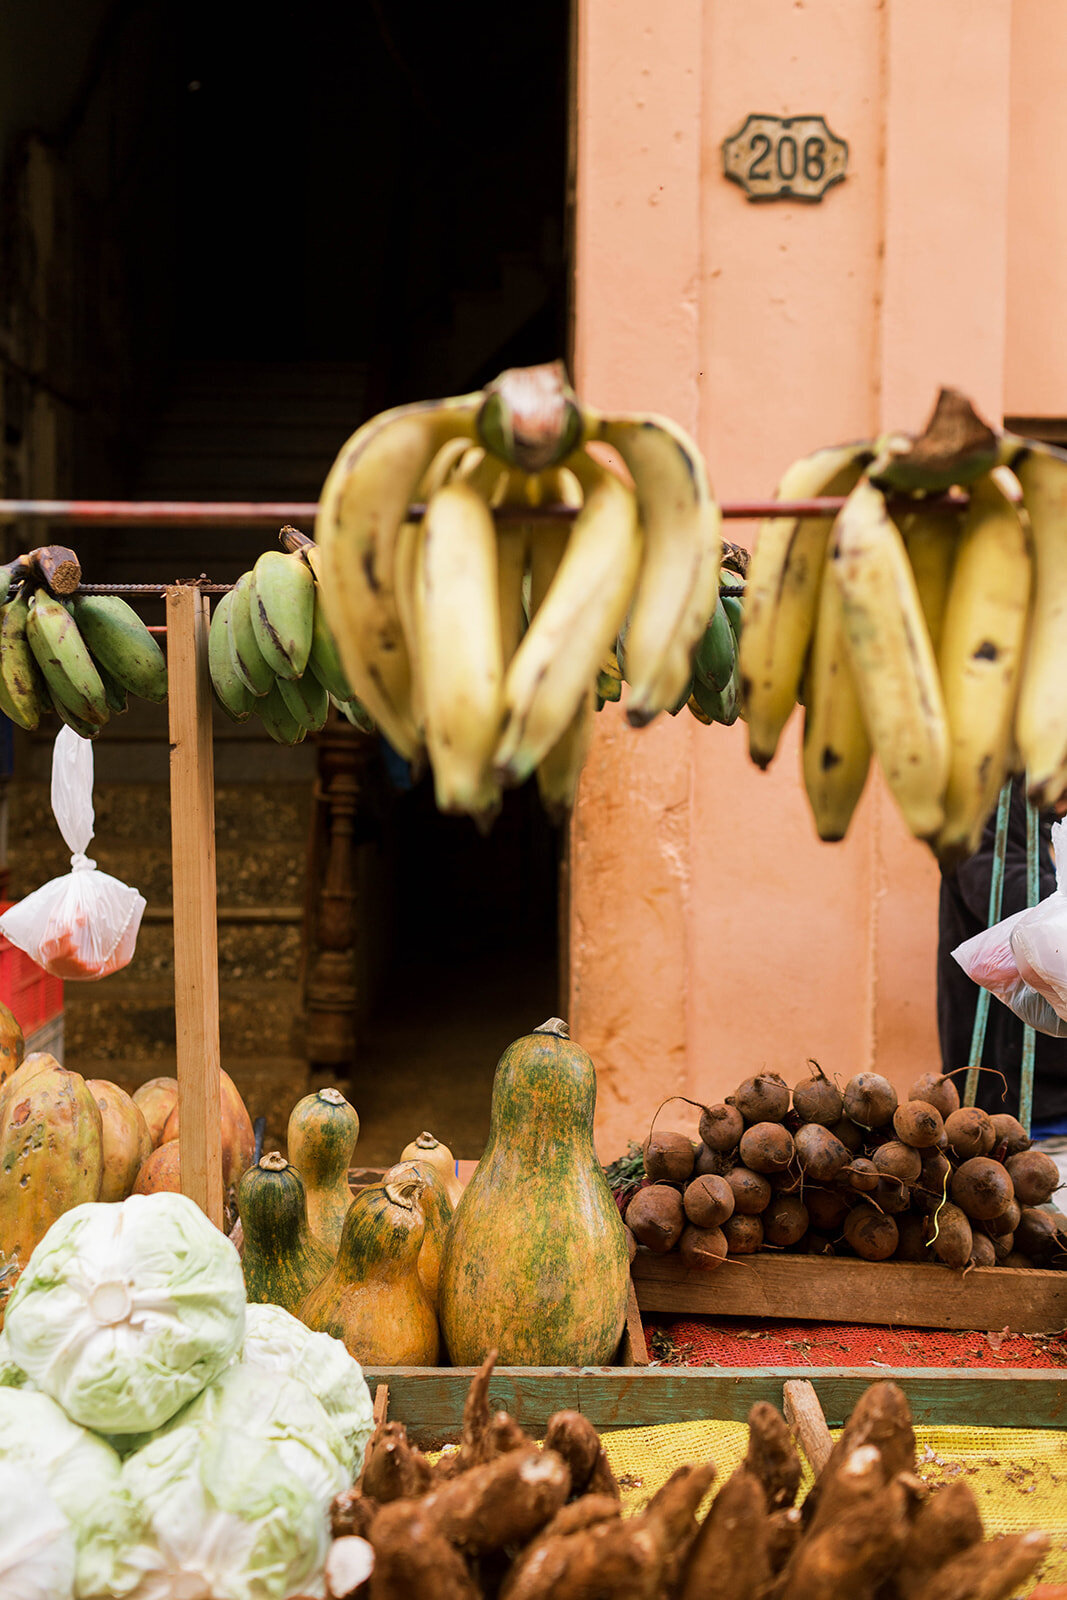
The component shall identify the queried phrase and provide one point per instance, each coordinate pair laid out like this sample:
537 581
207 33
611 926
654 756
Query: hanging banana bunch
76 656
482 636
923 627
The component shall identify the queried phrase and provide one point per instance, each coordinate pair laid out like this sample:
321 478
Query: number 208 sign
785 158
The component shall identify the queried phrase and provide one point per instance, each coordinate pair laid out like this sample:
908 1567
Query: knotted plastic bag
989 958
1039 938
84 925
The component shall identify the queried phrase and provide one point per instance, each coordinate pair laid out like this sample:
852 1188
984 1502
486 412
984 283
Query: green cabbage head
276 1342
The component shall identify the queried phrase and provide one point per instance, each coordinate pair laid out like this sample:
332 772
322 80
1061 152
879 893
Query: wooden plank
429 1400
804 1414
635 1330
196 973
835 1288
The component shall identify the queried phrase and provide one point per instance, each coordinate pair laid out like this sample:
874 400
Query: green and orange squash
535 1263
437 1209
281 1258
322 1135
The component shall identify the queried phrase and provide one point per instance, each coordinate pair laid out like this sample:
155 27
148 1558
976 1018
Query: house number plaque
784 158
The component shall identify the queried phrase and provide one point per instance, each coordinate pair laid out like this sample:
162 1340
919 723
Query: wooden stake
805 1416
196 972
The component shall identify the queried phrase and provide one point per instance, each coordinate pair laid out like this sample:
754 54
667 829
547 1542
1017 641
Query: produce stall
460 546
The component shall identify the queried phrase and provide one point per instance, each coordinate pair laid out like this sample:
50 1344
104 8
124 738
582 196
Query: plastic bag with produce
1039 937
84 925
989 958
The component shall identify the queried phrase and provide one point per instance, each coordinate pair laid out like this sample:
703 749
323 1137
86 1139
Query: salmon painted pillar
711 933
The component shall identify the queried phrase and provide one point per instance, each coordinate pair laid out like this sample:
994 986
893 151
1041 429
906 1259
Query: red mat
733 1342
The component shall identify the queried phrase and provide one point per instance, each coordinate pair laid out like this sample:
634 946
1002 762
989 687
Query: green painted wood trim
429 1400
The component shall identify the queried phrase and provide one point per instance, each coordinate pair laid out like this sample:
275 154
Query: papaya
238 1138
156 1100
127 1143
281 1259
12 1045
372 1298
322 1134
51 1157
161 1171
535 1263
437 1209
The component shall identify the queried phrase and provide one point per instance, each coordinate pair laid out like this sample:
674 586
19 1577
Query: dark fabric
964 911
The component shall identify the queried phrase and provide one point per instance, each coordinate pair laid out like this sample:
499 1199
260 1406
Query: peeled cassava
125 1140
321 1139
238 1139
535 1263
372 1298
51 1157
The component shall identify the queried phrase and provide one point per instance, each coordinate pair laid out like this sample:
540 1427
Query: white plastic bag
989 958
1039 938
84 925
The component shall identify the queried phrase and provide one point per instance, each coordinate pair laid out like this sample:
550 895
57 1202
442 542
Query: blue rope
1033 894
996 900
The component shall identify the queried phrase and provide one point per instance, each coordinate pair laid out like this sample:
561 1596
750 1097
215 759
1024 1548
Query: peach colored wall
711 933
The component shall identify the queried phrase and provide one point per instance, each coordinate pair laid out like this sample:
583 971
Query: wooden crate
429 1400
839 1289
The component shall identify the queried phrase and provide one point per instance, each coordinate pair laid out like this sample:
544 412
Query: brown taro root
766 1147
816 1099
982 1251
827 1208
1009 1132
953 1241
815 1243
891 1196
870 1100
850 1134
772 1456
729 1554
743 1234
785 1221
504 1434
969 1132
655 1217
861 1176
764 1098
988 1571
783 1534
712 1163
853 1554
351 1514
708 1201
895 1159
669 1157
751 1191
981 1188
721 1127
859 1476
911 1241
1038 1239
703 1249
502 1502
871 1234
413 1559
670 1518
820 1153
930 1190
936 1091
882 1417
919 1124
572 1436
631 1242
349 1564
1003 1246
1034 1176
393 1469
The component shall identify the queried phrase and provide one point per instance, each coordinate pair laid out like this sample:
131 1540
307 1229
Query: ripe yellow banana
980 660
931 537
782 591
1041 713
678 580
361 509
837 752
457 626
560 768
892 658
575 624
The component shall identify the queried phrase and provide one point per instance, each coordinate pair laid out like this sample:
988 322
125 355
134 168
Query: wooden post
196 970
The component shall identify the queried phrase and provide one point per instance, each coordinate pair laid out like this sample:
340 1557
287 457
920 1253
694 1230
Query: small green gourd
535 1262
281 1259
322 1135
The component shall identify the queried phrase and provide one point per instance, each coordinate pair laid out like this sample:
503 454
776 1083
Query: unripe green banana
64 659
84 730
119 641
232 694
307 700
117 693
283 611
23 688
246 657
325 658
278 719
355 712
716 651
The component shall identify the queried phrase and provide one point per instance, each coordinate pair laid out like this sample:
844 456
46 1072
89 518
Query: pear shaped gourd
535 1262
372 1298
322 1135
437 1210
281 1259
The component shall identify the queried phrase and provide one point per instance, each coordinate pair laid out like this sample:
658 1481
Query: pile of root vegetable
825 1171
499 1518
